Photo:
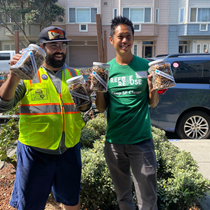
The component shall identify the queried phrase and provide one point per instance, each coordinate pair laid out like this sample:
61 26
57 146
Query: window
147 15
205 46
148 42
204 15
115 12
135 49
4 56
191 71
83 27
193 15
181 15
182 42
16 28
82 15
198 48
203 27
138 15
157 16
137 27
16 17
200 15
6 47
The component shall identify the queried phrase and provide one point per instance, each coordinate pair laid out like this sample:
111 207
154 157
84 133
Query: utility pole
105 47
99 38
17 42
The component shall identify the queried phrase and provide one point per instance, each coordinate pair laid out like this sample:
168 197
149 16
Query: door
147 51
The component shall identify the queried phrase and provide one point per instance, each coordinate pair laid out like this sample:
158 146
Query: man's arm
101 101
153 95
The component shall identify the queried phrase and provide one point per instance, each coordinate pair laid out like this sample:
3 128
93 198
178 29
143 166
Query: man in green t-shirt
129 141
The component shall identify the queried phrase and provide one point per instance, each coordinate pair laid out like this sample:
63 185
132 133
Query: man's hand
15 59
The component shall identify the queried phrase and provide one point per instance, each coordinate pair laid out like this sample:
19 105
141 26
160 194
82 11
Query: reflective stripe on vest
45 114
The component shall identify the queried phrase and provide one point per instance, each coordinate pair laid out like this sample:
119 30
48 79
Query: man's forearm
153 98
101 102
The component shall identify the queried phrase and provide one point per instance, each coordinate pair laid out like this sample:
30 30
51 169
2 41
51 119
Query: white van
5 58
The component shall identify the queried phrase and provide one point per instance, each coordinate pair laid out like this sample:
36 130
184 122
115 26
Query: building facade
150 19
189 26
161 27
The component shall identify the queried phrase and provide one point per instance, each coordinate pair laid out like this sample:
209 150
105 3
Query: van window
4 56
191 71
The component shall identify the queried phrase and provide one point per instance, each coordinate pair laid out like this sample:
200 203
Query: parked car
185 108
5 57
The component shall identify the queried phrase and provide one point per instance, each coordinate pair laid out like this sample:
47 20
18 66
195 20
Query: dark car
185 108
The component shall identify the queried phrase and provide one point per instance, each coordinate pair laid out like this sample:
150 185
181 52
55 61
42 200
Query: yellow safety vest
45 114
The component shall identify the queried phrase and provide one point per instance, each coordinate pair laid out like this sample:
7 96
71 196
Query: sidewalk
200 151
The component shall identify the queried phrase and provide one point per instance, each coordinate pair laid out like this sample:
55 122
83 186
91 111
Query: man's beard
49 59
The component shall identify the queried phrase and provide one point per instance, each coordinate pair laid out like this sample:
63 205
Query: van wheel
194 125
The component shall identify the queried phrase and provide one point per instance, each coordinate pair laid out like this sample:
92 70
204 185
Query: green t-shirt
128 118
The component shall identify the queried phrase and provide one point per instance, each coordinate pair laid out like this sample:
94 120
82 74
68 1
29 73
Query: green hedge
180 185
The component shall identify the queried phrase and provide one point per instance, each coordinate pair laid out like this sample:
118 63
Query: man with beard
48 150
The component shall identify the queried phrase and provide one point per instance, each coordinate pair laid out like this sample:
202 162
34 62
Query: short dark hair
118 21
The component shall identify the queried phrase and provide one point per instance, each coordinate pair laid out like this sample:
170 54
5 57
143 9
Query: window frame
81 23
203 24
4 47
139 27
197 14
136 49
157 15
197 48
180 15
80 30
114 12
143 14
207 47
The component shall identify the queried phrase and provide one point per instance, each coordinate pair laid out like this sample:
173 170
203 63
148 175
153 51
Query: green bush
8 137
93 129
97 187
180 185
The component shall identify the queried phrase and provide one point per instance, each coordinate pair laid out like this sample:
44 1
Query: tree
25 12
44 12
13 11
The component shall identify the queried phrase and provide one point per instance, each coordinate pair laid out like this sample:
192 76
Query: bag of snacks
162 75
27 66
100 77
78 91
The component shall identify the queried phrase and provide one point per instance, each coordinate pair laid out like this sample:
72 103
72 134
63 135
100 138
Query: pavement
200 151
